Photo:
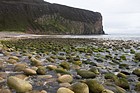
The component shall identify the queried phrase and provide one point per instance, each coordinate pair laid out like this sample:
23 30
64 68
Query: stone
65 84
18 85
14 57
44 76
35 62
29 71
11 61
51 60
79 63
21 76
137 86
137 56
80 88
86 74
136 72
5 91
65 65
62 71
64 90
94 70
107 91
123 83
43 91
20 67
111 76
51 67
41 70
94 86
122 75
65 79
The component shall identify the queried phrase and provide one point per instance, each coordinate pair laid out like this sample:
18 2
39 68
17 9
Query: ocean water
135 36
109 36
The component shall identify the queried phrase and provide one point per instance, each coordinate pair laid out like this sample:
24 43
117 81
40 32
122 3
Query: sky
121 16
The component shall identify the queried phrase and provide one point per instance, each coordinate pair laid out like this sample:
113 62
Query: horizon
121 16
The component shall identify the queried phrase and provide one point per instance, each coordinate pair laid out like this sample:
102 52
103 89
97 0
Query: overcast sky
118 15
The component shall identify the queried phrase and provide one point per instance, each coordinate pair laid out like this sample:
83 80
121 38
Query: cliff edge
40 17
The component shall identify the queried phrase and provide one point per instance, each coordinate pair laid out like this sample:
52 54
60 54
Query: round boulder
65 79
19 85
64 90
80 88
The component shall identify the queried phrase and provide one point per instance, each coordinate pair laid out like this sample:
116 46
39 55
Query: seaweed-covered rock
137 86
18 85
137 56
35 62
94 86
41 70
50 59
62 71
114 88
124 66
123 57
65 65
94 70
110 76
80 88
136 72
86 74
122 83
122 75
79 63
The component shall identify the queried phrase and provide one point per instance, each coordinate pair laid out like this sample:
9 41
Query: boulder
80 88
20 67
65 79
136 72
35 62
18 85
86 74
64 90
41 70
94 86
137 86
29 71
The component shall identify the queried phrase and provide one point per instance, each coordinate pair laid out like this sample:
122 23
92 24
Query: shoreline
21 35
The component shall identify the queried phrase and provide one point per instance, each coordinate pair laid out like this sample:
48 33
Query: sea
135 36
108 36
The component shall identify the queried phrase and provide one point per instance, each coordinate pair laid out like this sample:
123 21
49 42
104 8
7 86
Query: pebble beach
67 65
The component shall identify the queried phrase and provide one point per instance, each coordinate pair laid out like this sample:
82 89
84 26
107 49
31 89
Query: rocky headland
40 17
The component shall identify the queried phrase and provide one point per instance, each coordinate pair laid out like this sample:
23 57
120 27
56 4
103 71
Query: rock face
40 17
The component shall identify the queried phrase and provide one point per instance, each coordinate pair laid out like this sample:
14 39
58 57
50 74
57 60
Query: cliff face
37 16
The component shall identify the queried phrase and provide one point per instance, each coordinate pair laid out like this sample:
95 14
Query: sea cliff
40 17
